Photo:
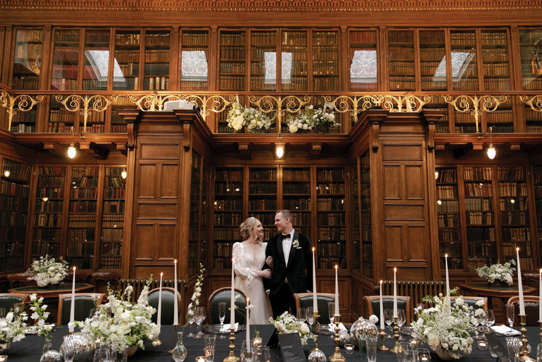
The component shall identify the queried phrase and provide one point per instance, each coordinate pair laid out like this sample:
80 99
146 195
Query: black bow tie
287 236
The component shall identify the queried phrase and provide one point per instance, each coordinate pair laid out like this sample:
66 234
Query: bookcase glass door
195 195
127 59
331 218
433 60
448 218
263 60
65 59
296 197
294 62
325 60
228 214
401 60
113 218
156 70
82 217
530 42
194 59
96 60
514 215
464 61
231 73
28 59
262 197
355 219
48 211
363 58
479 216
14 196
365 209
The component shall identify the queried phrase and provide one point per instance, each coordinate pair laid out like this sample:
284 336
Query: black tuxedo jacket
298 269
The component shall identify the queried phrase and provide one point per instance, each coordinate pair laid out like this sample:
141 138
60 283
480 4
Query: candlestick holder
174 339
337 356
158 342
232 357
524 354
395 348
383 335
315 326
540 334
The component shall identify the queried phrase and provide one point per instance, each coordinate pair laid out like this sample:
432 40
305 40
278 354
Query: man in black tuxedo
289 255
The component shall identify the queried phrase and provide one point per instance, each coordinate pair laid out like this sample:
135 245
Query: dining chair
224 295
531 309
20 280
304 300
80 277
168 302
373 305
8 300
84 303
101 280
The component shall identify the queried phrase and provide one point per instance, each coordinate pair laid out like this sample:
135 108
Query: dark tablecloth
30 348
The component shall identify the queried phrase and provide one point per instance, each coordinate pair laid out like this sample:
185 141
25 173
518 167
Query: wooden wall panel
392 184
143 240
146 181
168 238
169 183
414 185
417 235
394 243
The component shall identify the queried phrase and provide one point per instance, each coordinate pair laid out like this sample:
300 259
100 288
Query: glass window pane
194 60
96 66
294 61
433 60
263 60
401 60
464 62
363 61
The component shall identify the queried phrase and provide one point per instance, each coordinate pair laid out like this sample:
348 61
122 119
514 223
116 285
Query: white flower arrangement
447 326
287 323
502 272
120 324
48 270
311 118
40 315
253 119
194 302
12 328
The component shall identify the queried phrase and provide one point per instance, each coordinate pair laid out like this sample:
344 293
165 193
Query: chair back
373 305
80 277
531 309
470 301
20 280
304 300
168 301
8 300
224 295
100 280
84 303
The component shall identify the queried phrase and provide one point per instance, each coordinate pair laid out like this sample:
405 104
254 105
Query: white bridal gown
249 282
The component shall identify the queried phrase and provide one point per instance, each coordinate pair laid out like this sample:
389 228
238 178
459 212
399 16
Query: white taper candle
175 306
248 325
337 290
71 325
232 302
314 295
447 276
520 288
395 293
540 297
159 313
381 307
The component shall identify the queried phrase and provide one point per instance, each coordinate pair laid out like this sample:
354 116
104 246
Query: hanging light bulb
72 151
124 174
7 173
279 148
436 175
491 151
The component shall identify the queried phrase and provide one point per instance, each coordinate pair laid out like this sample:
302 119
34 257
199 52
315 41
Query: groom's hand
269 261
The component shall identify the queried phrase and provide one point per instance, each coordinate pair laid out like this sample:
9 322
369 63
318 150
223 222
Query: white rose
373 319
459 301
304 329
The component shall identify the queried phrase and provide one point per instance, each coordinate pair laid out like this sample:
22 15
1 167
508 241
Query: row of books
330 189
111 262
157 39
67 36
195 38
129 68
49 206
331 219
127 39
401 36
432 54
401 68
237 38
514 205
330 175
17 170
496 84
81 235
267 218
60 127
82 221
448 220
262 188
263 175
301 204
112 221
400 53
85 261
157 55
232 82
192 85
330 204
449 235
533 129
52 235
262 83
45 248
294 38
511 173
397 83
156 83
88 193
479 218
63 84
319 54
478 190
228 204
501 116
114 207
477 173
322 84
510 189
447 175
14 189
494 38
448 206
232 53
516 234
472 204
229 188
331 233
82 206
112 235
115 181
516 218
494 55
12 217
232 68
50 193
463 38
231 219
446 192
26 82
29 35
466 83
325 38
497 69
221 233
48 220
229 175
481 234
94 84
128 56
262 204
296 188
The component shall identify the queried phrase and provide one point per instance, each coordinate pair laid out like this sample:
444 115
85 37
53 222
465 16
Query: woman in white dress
248 260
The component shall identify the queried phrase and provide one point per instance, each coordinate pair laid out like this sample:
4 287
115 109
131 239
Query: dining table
30 348
501 292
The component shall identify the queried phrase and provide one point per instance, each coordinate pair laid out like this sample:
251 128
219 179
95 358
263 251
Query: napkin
226 327
504 330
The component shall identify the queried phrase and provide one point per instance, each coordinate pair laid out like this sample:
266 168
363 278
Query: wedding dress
250 283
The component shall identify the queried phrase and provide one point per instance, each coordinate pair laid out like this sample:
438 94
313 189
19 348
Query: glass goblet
200 317
331 312
388 319
221 317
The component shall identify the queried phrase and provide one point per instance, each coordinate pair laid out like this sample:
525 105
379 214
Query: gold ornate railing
276 107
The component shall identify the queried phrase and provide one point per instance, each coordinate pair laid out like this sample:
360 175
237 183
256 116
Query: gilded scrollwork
84 105
476 105
534 102
22 102
408 103
277 107
353 105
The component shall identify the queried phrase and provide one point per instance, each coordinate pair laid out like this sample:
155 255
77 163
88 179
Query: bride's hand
266 273
269 261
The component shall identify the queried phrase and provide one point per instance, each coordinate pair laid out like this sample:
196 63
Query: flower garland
12 328
311 118
447 326
48 270
502 272
196 295
120 324
253 119
287 323
40 316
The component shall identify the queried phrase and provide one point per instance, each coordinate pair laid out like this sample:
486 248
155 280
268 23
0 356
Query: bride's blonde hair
247 228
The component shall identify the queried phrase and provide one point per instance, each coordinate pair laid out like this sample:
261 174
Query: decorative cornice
272 5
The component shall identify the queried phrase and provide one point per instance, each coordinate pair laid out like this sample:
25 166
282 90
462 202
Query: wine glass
490 319
301 315
309 314
510 311
331 311
401 319
200 317
388 319
191 318
221 317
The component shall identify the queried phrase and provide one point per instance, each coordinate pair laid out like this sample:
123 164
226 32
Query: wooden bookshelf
464 60
127 56
294 61
228 214
401 60
14 201
96 59
82 217
232 61
195 60
331 217
195 206
365 210
530 43
448 218
433 60
363 57
111 240
296 196
65 59
156 68
356 263
27 59
263 60
325 60
262 197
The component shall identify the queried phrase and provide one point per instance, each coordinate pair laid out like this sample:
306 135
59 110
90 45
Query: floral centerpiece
119 323
311 118
194 302
48 270
498 272
446 328
12 329
287 323
253 119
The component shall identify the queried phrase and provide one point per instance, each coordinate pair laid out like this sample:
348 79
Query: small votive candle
3 358
200 359
482 344
349 348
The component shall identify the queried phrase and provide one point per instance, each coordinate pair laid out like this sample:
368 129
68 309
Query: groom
289 255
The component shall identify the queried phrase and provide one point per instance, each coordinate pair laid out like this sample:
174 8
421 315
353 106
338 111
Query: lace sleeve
240 270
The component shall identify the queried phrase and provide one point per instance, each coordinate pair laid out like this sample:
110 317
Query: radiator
416 290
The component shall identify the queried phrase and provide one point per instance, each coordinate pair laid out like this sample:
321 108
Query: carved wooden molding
272 5
245 150
315 151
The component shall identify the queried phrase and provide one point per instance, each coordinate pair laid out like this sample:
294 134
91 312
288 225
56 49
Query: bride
248 260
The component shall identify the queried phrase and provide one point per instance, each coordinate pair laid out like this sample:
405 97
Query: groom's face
281 222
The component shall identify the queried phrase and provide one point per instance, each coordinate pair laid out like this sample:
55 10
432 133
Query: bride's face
258 230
